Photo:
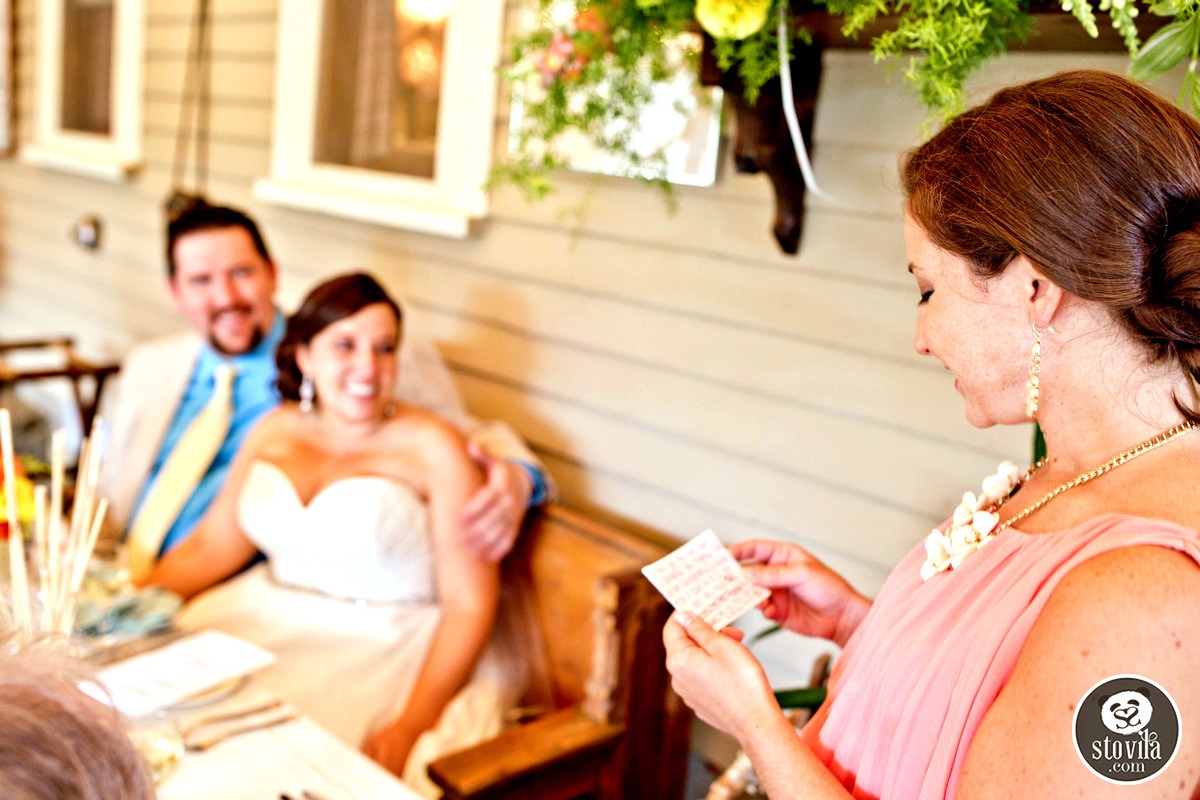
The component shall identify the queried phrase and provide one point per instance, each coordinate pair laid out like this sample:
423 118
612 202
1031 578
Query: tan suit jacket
138 409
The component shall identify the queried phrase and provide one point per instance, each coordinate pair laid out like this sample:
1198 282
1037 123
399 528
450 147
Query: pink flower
561 60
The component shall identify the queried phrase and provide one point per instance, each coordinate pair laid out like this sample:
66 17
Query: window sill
376 208
77 159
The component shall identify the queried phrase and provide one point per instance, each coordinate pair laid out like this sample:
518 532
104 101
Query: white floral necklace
975 521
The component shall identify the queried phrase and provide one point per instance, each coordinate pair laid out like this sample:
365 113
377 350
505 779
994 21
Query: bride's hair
335 299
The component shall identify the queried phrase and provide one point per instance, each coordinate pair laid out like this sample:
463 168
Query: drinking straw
87 518
42 554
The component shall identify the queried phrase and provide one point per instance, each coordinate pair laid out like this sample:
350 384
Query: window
384 110
88 87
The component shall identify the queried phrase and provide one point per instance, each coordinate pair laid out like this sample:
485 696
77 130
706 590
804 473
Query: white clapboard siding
234 35
433 278
247 77
675 372
227 121
821 447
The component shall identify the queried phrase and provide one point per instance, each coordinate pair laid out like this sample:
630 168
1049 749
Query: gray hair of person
56 741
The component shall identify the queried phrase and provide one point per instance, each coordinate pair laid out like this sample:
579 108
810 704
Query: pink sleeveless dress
914 682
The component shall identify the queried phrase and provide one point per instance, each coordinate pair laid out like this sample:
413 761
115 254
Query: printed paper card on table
148 682
702 578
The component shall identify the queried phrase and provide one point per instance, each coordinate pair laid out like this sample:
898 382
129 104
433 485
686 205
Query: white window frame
6 81
111 157
444 205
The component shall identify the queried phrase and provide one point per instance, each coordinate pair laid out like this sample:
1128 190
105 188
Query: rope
194 102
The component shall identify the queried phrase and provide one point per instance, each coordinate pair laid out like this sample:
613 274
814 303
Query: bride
378 613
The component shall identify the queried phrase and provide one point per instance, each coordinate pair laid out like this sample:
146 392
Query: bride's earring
307 394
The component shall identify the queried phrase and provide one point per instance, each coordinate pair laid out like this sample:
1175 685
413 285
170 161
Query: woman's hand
727 688
390 746
806 596
716 675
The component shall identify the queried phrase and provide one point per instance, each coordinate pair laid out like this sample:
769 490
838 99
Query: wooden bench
612 727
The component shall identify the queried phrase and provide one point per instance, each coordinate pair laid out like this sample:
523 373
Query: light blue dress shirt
254 394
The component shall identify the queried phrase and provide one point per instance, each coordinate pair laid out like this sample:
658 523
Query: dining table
274 752
296 759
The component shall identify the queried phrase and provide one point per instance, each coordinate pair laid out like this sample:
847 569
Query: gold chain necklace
975 521
1114 462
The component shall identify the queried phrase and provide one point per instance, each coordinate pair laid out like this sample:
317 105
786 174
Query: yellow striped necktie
180 474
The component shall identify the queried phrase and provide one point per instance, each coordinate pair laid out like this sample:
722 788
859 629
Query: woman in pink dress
1042 641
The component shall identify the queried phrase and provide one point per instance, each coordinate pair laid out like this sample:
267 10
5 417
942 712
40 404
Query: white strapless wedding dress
347 601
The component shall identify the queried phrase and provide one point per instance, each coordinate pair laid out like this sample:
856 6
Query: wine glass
158 738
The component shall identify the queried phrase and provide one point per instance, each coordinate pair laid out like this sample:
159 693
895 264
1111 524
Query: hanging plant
585 68
1173 43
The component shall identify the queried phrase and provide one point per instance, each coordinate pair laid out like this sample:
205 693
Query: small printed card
702 578
156 679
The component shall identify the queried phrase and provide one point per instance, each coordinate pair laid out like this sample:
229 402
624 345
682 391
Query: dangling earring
1035 370
307 394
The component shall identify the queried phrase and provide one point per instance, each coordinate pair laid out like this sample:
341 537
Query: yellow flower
732 19
24 502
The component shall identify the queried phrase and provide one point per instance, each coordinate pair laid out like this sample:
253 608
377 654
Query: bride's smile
353 364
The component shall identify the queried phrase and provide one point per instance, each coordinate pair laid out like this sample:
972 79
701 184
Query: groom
222 280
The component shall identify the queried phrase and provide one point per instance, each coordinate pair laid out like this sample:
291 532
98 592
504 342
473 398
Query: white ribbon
789 109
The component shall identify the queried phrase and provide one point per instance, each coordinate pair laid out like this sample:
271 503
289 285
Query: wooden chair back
57 358
591 625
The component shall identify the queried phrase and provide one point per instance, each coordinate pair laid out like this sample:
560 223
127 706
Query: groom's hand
491 519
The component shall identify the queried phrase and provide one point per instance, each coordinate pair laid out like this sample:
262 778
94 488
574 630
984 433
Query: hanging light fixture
422 24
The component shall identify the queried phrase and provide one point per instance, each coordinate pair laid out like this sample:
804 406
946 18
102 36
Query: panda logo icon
1145 720
1126 712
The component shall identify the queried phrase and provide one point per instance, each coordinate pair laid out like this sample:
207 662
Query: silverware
231 715
205 743
121 648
